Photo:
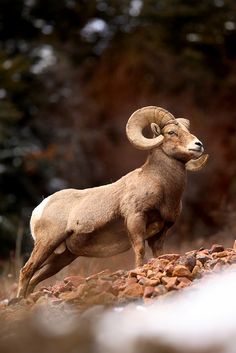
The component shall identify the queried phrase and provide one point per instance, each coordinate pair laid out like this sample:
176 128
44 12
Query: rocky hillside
157 278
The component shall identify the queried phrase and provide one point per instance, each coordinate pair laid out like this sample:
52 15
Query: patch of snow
203 316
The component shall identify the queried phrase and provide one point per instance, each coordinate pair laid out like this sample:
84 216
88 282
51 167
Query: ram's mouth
198 149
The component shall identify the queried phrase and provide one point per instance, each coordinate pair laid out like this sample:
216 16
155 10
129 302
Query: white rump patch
37 213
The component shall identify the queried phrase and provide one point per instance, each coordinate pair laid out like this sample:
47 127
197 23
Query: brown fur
109 219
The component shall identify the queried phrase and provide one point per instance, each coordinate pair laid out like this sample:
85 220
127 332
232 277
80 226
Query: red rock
159 267
148 291
204 251
207 266
159 290
103 286
131 280
74 296
36 295
143 275
183 282
75 280
216 248
154 263
169 257
61 287
150 273
46 290
169 269
104 298
143 280
159 275
169 282
212 262
190 262
181 271
44 300
231 251
121 284
82 289
136 272
192 252
149 282
202 258
163 263
134 290
165 279
154 282
220 254
199 264
218 266
120 273
232 259
99 274
197 271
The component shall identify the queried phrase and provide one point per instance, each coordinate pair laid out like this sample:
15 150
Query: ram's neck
167 169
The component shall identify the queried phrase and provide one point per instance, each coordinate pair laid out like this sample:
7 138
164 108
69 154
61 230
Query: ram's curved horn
184 122
195 165
142 118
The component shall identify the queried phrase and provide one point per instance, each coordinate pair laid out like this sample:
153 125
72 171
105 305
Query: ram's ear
155 129
194 165
184 122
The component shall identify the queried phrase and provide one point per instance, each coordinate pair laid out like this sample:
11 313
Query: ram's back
72 209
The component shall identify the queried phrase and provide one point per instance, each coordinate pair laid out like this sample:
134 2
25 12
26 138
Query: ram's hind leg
41 252
53 265
37 257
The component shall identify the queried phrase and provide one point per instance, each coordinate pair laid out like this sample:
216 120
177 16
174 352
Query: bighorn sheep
108 220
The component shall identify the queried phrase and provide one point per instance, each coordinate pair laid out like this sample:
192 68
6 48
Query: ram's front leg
136 226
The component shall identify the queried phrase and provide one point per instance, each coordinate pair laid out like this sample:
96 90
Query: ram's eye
171 133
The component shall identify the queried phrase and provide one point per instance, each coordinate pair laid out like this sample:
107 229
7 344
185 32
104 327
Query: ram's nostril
198 143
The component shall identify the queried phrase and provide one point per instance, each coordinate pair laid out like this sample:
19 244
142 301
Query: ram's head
171 134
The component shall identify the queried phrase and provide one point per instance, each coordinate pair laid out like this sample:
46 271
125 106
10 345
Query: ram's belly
104 242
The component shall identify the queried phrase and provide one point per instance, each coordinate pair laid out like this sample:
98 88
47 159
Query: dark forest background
71 74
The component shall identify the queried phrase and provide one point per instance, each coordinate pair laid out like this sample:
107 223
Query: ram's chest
170 208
